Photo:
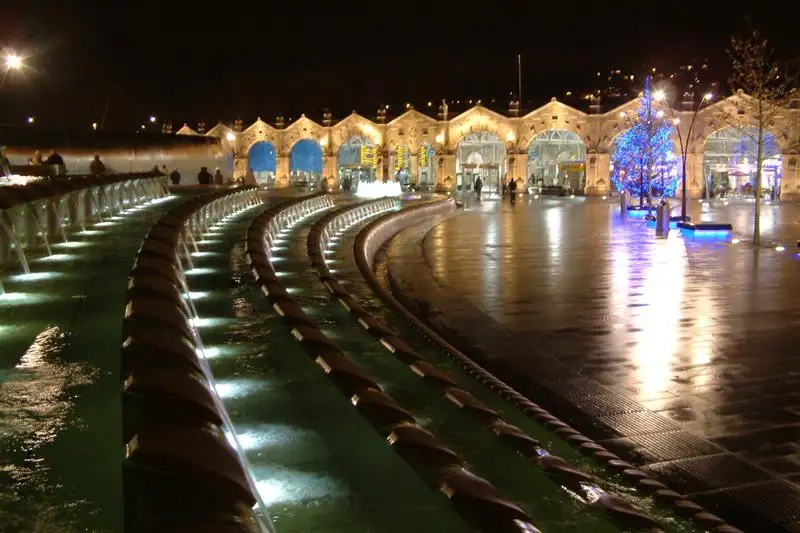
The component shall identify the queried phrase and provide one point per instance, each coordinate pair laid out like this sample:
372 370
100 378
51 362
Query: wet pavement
679 354
780 224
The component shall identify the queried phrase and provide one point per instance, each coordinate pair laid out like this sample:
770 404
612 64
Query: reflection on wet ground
680 337
780 223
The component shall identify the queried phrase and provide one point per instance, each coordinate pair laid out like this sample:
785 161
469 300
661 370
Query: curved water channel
319 465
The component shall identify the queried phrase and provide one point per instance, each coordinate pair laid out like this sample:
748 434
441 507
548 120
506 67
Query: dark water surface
60 411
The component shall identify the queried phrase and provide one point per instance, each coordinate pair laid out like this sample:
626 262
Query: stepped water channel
320 466
60 412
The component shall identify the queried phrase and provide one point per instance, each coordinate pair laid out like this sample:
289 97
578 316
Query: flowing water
60 412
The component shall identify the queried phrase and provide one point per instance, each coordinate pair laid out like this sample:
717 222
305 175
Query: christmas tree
642 159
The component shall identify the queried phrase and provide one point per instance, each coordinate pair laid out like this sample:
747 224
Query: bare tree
764 88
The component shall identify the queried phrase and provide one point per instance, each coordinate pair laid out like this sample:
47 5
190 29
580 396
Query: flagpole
519 79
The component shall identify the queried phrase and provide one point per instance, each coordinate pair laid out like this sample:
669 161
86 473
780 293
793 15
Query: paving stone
620 334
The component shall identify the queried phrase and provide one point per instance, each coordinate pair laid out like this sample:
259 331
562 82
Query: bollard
662 219
624 201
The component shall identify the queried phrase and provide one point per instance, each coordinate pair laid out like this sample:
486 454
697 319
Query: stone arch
729 158
481 153
262 160
305 162
256 132
557 160
357 159
303 128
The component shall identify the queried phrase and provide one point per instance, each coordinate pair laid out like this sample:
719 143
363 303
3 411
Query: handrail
183 463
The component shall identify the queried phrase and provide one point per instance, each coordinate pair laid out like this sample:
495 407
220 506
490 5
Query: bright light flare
14 61
377 189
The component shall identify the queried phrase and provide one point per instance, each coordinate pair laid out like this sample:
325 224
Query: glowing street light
13 61
31 120
94 126
152 119
661 96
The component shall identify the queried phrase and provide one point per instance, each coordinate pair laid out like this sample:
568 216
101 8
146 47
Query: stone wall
187 159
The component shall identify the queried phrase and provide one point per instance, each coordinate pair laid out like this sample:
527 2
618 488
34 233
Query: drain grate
673 445
628 424
712 471
778 501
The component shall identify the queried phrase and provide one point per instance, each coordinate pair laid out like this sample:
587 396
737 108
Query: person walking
512 189
478 186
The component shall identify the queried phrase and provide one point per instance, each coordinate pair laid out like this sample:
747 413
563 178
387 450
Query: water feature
59 381
317 463
378 189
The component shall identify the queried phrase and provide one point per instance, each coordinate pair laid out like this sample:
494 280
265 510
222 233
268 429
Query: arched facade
415 130
729 164
480 154
557 162
357 160
262 159
306 162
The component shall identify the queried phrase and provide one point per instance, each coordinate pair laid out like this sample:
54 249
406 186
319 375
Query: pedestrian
97 167
204 176
478 186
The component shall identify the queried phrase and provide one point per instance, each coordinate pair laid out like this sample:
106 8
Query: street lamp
13 61
661 96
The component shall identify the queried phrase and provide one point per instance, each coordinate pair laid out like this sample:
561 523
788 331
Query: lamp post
12 61
661 96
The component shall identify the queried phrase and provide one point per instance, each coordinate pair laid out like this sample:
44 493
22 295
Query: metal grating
673 445
714 471
628 424
610 404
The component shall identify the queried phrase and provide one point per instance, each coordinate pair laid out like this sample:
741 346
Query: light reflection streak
552 222
35 406
276 484
490 275
657 323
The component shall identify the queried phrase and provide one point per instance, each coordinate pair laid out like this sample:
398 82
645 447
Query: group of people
508 186
204 177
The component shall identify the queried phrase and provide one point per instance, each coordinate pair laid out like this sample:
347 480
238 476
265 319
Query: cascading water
377 189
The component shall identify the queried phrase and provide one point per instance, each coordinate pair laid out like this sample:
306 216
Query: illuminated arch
729 163
262 160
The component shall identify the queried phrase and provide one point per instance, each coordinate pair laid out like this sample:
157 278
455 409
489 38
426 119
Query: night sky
225 60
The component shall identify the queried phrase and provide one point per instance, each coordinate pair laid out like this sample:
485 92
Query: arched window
557 161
